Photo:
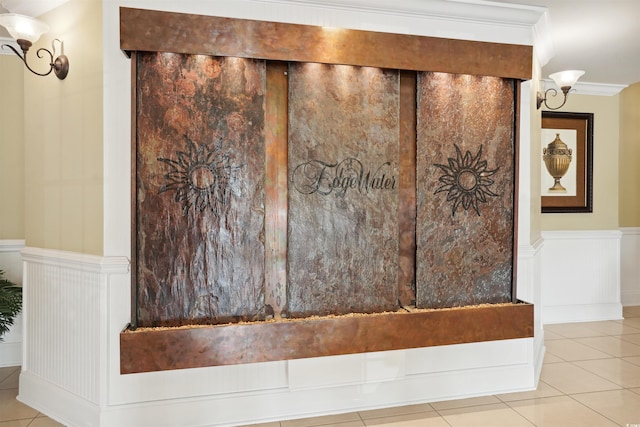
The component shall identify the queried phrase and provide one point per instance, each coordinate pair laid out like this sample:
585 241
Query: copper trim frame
275 227
156 31
192 347
516 190
134 189
147 350
407 190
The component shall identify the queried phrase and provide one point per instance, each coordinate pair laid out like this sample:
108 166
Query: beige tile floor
590 378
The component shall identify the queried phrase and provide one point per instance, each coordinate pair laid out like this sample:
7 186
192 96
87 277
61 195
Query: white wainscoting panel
371 381
71 369
630 266
528 289
65 329
11 264
581 276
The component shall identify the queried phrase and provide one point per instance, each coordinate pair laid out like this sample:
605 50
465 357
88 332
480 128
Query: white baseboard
581 313
10 354
284 403
539 351
630 298
54 401
272 405
511 370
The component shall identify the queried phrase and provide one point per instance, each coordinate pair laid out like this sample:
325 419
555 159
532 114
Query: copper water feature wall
268 187
200 184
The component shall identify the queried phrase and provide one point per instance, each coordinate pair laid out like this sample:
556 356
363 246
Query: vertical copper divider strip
275 188
407 189
134 188
516 187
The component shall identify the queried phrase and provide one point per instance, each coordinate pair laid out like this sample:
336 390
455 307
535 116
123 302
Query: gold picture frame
567 162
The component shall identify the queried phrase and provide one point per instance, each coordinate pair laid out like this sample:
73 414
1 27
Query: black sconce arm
60 65
543 99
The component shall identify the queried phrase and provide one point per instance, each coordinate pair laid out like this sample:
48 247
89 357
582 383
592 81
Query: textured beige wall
629 172
63 137
11 148
606 143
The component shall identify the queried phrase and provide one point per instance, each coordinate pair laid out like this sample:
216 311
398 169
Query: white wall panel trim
528 289
629 266
65 312
530 251
274 405
11 245
49 398
76 261
630 231
573 313
581 235
581 276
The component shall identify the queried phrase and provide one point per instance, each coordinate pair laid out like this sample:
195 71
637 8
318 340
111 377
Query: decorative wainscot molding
581 276
332 200
629 266
66 309
11 264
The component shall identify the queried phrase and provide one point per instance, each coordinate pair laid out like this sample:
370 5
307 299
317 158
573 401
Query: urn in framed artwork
557 158
566 179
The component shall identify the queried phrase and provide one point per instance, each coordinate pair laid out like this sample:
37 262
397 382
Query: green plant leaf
10 303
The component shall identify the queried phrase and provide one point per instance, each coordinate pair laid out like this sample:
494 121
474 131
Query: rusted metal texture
200 177
465 187
276 190
286 170
343 189
147 30
179 348
407 191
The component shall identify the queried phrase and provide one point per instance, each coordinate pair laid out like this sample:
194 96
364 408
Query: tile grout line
437 411
600 376
593 409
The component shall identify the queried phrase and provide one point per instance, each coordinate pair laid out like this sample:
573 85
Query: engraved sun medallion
466 180
202 177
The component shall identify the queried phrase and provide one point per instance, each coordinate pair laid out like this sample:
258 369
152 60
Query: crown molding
465 10
586 88
542 41
478 20
33 8
599 89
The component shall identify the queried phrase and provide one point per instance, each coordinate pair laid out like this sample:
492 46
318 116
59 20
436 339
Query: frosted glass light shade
23 27
566 78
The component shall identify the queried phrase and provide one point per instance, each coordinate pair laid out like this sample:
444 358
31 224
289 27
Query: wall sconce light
26 31
565 80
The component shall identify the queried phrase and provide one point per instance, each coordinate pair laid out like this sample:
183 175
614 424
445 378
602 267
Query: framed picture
567 162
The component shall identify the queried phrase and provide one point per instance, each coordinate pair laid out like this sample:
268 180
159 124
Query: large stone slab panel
199 206
465 190
343 189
